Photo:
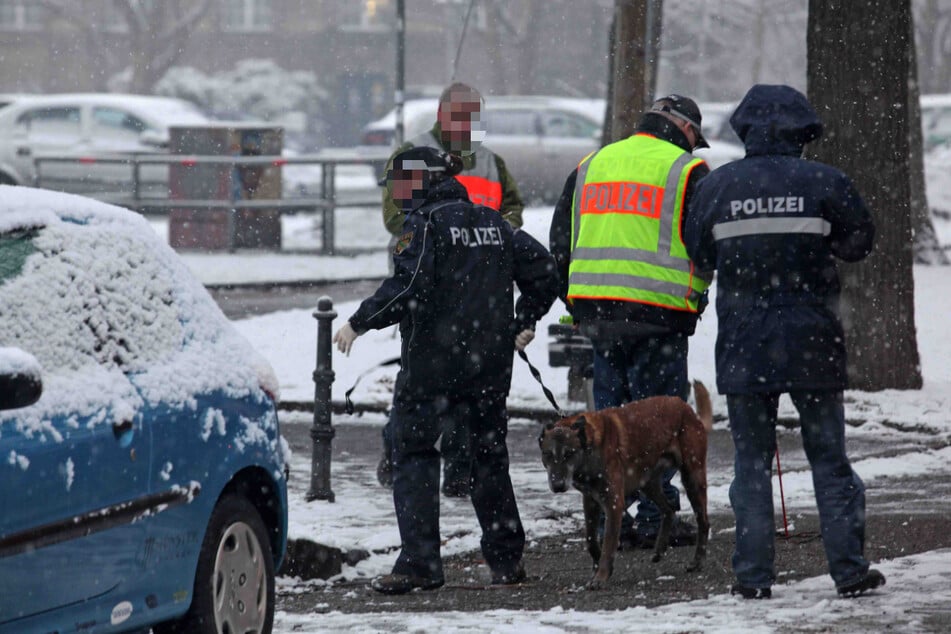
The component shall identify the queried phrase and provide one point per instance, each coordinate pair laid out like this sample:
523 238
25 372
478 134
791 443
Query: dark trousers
416 427
631 369
840 494
454 447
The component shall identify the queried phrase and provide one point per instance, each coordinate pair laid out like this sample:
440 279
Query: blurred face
409 187
460 122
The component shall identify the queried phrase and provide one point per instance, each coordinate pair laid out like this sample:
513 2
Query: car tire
234 582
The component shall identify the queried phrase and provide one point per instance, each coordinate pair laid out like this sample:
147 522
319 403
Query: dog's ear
547 427
578 426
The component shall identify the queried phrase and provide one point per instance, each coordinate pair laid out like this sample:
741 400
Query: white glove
524 338
345 338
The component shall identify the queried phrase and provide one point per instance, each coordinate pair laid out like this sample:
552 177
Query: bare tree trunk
495 52
655 24
155 35
608 126
515 34
934 39
629 95
926 246
861 93
759 27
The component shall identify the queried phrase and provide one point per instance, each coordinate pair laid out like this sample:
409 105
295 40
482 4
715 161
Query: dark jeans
840 494
415 427
631 369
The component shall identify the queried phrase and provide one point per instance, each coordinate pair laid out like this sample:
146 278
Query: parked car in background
542 139
87 125
146 486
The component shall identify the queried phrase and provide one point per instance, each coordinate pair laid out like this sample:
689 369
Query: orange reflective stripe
622 198
482 191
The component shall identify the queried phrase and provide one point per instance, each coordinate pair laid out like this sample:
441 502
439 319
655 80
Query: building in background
65 46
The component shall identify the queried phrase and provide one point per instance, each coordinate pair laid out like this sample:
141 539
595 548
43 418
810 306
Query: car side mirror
153 138
20 379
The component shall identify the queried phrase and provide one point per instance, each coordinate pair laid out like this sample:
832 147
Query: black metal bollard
322 432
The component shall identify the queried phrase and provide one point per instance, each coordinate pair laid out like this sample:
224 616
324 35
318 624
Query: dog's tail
704 406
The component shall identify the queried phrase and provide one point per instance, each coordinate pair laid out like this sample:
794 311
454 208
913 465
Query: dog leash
349 408
782 496
348 404
538 377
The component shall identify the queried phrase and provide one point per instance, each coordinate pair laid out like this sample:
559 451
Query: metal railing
133 195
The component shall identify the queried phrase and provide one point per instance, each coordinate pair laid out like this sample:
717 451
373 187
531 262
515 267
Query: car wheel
234 583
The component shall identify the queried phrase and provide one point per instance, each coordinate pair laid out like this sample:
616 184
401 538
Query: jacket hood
775 120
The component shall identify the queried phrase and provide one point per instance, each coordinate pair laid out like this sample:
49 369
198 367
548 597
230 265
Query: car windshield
94 295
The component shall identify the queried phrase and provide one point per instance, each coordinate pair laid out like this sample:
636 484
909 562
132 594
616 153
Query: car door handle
23 151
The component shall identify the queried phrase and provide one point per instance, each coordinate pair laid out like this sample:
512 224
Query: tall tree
933 19
633 45
859 68
154 33
927 247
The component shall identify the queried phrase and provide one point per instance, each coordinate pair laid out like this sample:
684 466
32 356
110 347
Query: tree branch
71 11
187 21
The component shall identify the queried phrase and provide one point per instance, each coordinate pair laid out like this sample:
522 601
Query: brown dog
611 453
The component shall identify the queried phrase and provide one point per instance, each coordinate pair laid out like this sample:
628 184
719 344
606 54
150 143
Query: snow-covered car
146 486
80 126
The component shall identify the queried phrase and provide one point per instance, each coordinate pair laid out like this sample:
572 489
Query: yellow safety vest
625 230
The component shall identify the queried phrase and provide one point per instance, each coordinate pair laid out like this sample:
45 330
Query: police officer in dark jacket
773 225
452 294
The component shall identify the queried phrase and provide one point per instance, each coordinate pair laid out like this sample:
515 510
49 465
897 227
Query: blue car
142 472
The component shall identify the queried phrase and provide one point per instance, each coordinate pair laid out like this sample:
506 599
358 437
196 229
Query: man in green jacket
459 129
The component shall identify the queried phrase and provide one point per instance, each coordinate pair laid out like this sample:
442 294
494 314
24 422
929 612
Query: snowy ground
362 515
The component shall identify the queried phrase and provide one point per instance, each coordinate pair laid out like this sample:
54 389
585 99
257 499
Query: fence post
328 194
322 432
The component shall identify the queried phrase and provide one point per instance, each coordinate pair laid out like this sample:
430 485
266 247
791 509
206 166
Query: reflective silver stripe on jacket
660 257
576 203
669 207
625 280
485 166
756 226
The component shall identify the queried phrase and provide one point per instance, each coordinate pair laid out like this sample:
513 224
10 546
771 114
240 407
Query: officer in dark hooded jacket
773 224
452 294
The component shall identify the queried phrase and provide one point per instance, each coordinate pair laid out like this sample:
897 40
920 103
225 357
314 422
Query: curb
290 284
339 407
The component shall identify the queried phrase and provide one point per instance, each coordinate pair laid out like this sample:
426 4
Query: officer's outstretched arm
536 278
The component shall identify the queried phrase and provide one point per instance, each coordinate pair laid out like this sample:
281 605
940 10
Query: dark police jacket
773 225
452 294
629 317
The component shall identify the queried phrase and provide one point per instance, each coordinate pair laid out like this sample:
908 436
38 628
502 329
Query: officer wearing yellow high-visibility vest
624 271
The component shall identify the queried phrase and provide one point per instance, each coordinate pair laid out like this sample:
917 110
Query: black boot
751 593
870 581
